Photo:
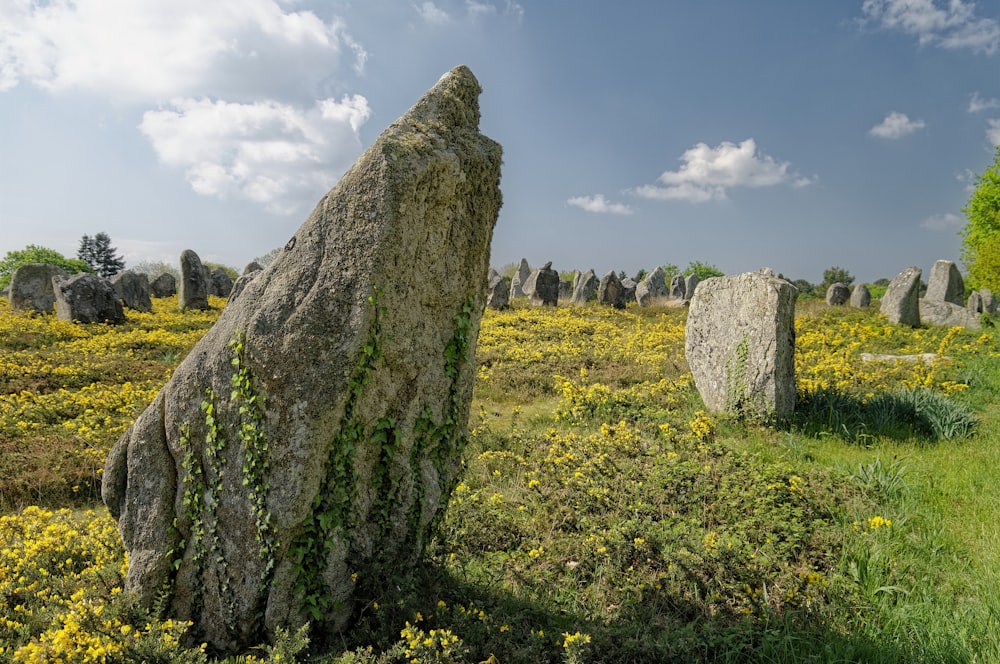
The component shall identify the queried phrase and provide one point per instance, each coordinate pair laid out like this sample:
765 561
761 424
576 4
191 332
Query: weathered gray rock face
939 312
975 303
901 302
354 369
544 284
610 291
221 283
517 281
565 289
945 284
163 286
87 298
740 344
690 283
585 289
677 287
837 294
652 288
195 284
497 293
31 287
132 289
989 302
628 289
861 297
241 283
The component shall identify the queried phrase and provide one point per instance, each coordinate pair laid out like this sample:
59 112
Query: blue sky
796 135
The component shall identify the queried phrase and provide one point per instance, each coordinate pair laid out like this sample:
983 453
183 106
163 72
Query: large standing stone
164 285
132 289
544 286
939 312
837 294
901 302
221 283
517 281
945 284
740 344
652 288
628 289
87 298
861 297
331 446
585 289
497 293
31 287
610 291
195 283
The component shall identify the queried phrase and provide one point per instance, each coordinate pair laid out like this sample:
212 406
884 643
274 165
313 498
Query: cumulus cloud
993 133
156 50
432 14
599 204
953 24
708 173
267 152
977 103
896 125
943 222
471 10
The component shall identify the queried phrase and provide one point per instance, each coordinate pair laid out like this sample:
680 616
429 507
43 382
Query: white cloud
432 14
267 152
599 204
896 125
977 103
953 26
156 50
943 222
993 133
707 173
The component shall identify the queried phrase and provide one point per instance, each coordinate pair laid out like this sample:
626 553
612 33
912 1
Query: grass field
603 515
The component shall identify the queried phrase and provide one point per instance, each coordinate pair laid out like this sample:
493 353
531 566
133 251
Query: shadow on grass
495 623
919 415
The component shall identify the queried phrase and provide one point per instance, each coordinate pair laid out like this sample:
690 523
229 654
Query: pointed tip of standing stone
453 101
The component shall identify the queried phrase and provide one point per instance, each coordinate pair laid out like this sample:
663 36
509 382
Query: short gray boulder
585 289
690 283
652 288
901 302
87 298
837 294
31 287
610 291
164 285
221 283
336 392
544 284
677 290
497 293
517 281
939 312
132 289
861 297
740 344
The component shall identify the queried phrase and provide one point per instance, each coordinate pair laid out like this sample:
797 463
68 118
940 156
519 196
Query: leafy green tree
98 253
153 269
983 212
805 288
266 259
835 275
36 254
231 271
640 275
703 270
670 271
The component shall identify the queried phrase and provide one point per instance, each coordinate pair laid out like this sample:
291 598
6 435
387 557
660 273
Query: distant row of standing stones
943 303
89 298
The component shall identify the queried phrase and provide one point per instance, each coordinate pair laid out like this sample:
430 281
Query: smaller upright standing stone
132 289
690 283
740 344
837 294
610 291
945 284
628 289
496 291
87 298
677 287
861 297
901 302
517 281
194 286
652 288
222 283
585 289
989 302
545 286
975 303
565 289
31 287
